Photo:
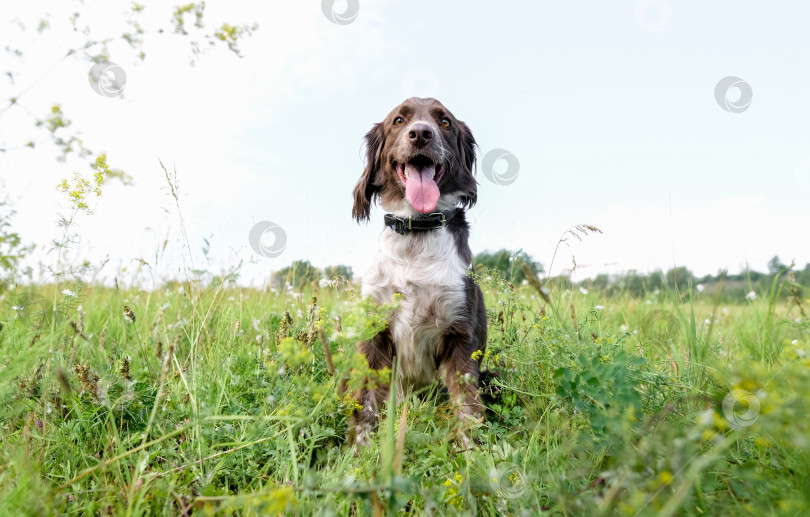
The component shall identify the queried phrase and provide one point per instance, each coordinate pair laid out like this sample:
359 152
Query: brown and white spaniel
420 167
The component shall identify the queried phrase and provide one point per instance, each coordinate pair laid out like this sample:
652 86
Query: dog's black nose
420 134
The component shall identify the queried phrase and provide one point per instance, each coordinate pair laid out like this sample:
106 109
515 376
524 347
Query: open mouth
421 176
420 164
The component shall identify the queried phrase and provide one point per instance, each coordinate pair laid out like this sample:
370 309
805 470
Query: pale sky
609 107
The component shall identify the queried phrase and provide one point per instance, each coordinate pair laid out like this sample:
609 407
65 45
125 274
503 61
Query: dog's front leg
459 372
379 353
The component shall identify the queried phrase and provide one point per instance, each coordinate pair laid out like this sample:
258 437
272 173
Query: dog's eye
445 122
398 121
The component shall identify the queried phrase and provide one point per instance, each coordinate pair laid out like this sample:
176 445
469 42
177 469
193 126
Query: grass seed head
88 379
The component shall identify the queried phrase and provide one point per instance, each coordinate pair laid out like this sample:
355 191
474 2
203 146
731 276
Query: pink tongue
420 189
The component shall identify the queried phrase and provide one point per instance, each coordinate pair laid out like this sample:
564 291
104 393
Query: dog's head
419 159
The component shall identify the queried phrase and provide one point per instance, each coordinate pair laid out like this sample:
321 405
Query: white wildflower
583 290
751 296
69 293
706 417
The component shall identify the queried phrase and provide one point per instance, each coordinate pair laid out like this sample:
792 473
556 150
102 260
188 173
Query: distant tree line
790 280
507 262
787 279
301 275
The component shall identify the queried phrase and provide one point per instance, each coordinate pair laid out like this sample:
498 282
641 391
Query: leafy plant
12 249
605 390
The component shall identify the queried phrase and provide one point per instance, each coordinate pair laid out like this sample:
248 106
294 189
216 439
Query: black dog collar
433 221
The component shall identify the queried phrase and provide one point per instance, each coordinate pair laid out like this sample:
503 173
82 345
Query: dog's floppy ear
365 189
466 179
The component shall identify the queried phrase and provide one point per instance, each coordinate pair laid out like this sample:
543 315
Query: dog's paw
471 416
463 440
468 422
362 437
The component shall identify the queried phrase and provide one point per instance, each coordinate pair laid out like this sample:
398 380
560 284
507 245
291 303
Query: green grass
213 402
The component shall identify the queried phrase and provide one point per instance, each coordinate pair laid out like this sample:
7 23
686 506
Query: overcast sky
610 108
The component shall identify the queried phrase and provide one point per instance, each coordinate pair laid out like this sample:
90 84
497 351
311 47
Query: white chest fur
428 271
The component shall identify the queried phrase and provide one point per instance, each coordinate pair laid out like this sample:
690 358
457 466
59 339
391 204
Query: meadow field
216 400
152 387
